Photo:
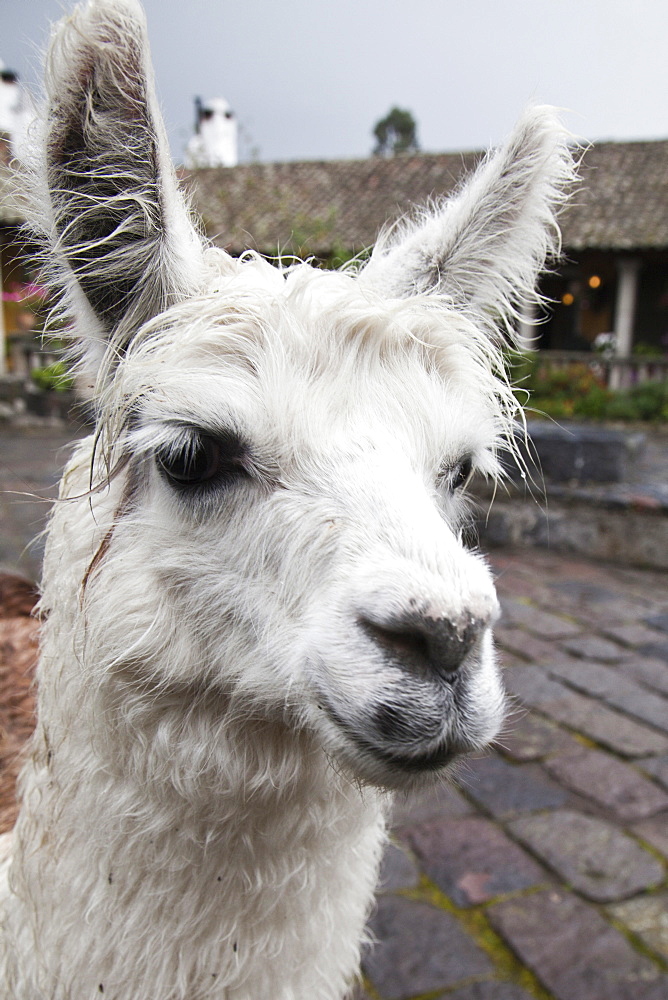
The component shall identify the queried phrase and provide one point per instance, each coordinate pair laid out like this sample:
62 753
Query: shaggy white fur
260 616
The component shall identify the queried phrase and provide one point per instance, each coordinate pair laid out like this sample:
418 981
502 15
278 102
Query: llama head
280 539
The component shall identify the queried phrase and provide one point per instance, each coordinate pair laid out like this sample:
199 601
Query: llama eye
455 477
461 474
201 459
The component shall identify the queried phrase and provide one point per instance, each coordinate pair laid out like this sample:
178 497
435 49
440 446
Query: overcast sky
308 79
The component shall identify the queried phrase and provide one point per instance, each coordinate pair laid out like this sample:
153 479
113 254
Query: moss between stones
476 924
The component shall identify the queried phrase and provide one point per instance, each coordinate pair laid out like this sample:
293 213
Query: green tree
396 133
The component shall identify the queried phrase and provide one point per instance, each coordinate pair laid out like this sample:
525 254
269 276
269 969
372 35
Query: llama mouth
434 759
431 760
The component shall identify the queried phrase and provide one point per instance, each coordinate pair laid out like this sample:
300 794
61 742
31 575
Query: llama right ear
484 247
119 233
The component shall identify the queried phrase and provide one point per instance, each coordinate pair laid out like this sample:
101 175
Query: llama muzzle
425 645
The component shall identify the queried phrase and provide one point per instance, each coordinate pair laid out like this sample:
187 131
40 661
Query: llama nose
425 644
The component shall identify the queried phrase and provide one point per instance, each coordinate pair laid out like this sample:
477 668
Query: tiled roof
622 203
317 207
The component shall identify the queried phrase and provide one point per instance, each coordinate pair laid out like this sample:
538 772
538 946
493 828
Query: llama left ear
120 238
485 246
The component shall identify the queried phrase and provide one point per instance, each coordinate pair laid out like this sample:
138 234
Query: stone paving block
659 622
646 584
597 859
591 647
616 687
398 869
586 715
659 650
655 832
658 768
533 686
541 623
440 800
613 612
581 593
644 705
512 609
511 584
518 580
420 949
505 789
649 671
592 678
634 634
616 786
489 991
507 659
646 916
472 860
523 644
594 606
611 729
531 737
573 951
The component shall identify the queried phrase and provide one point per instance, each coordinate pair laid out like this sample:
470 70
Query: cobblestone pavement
542 870
31 459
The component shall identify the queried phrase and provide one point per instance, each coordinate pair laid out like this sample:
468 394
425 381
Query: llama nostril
401 642
434 644
450 642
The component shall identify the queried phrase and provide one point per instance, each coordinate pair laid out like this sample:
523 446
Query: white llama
259 614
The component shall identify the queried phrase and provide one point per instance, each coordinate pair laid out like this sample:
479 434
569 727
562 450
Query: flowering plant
26 292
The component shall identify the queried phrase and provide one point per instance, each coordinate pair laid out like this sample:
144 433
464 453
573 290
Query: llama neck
241 894
155 861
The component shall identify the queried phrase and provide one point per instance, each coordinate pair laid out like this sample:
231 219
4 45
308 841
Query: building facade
610 288
611 285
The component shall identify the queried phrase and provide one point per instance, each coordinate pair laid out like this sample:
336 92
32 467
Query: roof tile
622 203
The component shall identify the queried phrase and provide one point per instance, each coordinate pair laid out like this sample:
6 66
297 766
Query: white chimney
215 141
16 111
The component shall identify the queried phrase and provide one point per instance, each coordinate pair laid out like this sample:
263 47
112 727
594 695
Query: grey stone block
530 737
648 918
574 952
489 991
658 768
397 870
595 857
420 949
588 716
504 789
655 832
472 860
578 453
616 786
